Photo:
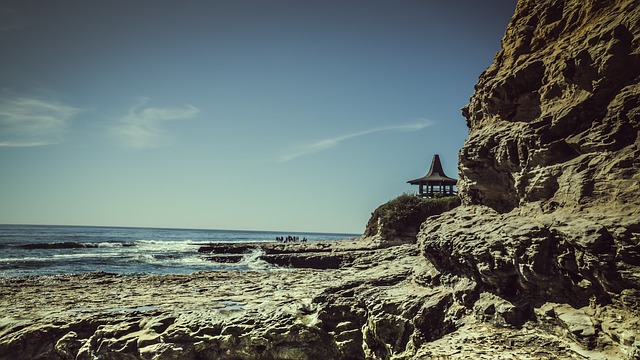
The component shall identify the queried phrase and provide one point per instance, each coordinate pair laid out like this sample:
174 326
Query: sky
280 115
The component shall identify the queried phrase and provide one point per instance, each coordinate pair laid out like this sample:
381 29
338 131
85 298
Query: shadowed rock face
555 118
549 175
554 126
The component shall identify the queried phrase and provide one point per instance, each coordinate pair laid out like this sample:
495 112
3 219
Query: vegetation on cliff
400 218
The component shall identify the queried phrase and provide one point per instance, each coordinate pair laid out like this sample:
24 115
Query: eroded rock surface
550 180
390 303
541 261
555 118
351 313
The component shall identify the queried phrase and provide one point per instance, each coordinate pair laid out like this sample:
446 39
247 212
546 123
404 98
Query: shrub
402 216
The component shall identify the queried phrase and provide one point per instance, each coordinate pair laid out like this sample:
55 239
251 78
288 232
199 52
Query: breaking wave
51 250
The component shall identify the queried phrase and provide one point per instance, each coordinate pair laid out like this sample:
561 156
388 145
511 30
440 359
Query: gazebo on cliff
436 182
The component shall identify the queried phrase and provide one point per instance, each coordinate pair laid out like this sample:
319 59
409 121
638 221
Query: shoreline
152 313
288 313
328 254
63 250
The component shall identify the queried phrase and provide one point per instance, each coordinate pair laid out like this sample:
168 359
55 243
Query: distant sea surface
50 250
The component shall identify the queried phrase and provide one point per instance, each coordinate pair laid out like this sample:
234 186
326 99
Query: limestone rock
549 176
559 257
555 118
390 303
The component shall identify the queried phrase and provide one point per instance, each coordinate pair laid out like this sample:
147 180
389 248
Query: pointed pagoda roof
435 174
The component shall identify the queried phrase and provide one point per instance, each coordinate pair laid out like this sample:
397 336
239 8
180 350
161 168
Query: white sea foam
253 261
143 258
194 261
38 250
86 255
29 258
111 244
164 245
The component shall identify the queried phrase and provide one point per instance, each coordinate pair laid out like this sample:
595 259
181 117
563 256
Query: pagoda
435 183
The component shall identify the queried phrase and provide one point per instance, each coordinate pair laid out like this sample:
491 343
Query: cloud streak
28 121
142 127
328 143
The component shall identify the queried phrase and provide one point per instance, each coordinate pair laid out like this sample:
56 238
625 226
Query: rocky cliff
549 175
554 120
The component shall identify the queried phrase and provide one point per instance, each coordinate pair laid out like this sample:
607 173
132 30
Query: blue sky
259 115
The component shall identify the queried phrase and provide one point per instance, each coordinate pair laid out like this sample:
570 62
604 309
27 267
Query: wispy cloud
143 127
29 121
328 143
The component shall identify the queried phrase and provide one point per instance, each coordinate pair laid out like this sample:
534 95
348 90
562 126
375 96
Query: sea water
50 250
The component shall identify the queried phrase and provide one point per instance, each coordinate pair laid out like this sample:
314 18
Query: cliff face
549 175
554 120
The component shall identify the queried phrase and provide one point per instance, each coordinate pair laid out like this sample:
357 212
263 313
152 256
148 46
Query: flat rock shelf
387 300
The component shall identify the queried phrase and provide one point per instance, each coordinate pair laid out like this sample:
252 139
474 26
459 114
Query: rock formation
549 175
314 255
554 120
398 221
541 261
389 303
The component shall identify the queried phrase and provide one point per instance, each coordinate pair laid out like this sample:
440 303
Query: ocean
30 250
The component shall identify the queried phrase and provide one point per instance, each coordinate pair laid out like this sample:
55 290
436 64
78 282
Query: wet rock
309 260
314 255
